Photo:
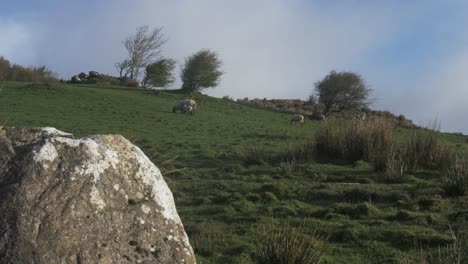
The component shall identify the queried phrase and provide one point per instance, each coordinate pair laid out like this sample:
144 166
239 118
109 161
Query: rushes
285 244
369 140
455 177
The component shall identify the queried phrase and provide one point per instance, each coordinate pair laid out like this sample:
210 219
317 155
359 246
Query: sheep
181 106
187 109
297 119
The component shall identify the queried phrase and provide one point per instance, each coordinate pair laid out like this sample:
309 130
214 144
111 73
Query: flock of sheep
188 106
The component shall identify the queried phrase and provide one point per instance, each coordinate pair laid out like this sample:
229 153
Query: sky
413 54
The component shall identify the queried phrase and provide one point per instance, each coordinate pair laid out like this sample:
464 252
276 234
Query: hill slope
219 198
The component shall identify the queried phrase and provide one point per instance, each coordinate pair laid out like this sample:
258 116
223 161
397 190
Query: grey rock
96 199
94 74
75 78
82 75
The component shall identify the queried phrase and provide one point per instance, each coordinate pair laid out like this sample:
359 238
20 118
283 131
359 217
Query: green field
222 201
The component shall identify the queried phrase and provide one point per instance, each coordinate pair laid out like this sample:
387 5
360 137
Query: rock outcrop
96 199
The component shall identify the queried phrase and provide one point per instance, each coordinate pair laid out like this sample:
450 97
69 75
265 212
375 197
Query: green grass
222 201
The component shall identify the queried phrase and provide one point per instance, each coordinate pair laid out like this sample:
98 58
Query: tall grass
396 166
369 140
328 140
255 155
424 149
455 176
453 253
297 151
285 244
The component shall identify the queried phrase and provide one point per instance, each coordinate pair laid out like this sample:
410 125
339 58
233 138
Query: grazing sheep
187 109
297 119
181 106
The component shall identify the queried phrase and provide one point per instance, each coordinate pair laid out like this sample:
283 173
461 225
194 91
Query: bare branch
143 48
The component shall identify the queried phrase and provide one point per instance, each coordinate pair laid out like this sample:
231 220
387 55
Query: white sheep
182 106
297 119
187 109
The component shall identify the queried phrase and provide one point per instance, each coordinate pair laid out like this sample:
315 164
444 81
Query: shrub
284 244
228 98
130 83
455 177
14 72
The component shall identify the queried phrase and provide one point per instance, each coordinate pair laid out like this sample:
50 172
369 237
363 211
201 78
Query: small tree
201 70
342 89
143 48
159 73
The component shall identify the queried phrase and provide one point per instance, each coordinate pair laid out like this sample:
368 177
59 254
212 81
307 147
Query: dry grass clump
255 155
424 149
369 140
285 244
455 176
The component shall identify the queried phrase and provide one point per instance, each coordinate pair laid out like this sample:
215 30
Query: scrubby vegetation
15 72
232 168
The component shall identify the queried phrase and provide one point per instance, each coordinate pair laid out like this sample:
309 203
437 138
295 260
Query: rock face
96 199
82 75
75 78
94 74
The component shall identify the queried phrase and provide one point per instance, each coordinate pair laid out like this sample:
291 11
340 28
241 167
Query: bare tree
123 68
143 48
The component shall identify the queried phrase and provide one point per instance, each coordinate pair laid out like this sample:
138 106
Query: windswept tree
344 90
159 73
143 48
201 70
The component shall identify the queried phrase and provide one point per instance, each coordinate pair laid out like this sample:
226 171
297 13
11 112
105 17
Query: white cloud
16 41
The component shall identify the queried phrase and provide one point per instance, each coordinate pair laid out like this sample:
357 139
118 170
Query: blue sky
413 54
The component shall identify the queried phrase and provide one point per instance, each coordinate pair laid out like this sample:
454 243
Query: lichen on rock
86 200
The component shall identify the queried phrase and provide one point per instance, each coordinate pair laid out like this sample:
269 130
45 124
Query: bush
14 72
228 98
129 82
284 244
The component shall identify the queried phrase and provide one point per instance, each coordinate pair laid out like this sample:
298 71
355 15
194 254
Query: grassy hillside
222 200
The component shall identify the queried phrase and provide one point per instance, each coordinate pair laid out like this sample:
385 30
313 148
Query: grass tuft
285 244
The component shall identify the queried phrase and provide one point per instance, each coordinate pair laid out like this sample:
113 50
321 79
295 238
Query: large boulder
96 199
94 74
75 79
82 75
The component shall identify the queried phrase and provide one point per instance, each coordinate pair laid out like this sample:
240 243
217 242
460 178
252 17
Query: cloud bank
412 56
